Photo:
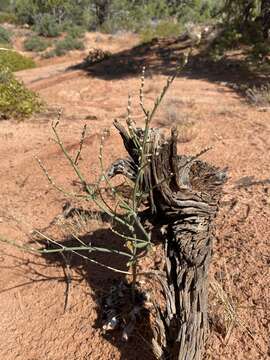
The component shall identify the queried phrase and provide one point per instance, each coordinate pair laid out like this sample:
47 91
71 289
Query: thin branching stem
53 183
90 191
81 145
81 255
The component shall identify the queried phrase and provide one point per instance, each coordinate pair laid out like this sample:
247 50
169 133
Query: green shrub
5 5
15 61
251 33
26 10
63 46
46 25
36 43
133 15
75 31
15 100
67 44
259 52
137 15
229 39
6 17
163 29
74 12
198 11
111 15
5 36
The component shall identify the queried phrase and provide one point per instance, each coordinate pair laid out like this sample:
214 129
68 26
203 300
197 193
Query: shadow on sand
161 57
101 280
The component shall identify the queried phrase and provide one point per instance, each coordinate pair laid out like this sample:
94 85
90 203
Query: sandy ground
34 325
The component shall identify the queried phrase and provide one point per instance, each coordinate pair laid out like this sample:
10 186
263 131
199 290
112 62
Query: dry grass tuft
175 116
259 96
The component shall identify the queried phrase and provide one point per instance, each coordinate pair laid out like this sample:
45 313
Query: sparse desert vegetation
15 61
5 36
36 43
259 96
16 101
107 237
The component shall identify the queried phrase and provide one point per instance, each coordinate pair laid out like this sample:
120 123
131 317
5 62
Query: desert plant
125 212
259 95
260 52
198 11
5 36
163 29
25 11
128 217
181 194
36 43
114 15
46 25
229 38
75 31
15 61
67 44
15 100
60 12
63 46
172 117
132 16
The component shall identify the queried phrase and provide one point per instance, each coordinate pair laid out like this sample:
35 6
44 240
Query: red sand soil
33 323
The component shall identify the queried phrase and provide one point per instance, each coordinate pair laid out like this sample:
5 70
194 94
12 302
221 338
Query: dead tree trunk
184 193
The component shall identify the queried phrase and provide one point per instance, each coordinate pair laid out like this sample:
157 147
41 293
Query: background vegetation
5 36
51 16
58 26
244 21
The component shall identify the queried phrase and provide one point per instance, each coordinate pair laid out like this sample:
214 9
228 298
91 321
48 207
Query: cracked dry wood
184 192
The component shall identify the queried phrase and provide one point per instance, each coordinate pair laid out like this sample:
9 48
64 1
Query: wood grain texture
184 192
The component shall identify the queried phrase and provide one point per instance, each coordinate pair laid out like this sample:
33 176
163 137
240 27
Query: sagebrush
5 36
36 43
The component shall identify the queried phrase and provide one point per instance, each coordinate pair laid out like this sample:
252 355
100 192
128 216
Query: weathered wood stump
184 192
